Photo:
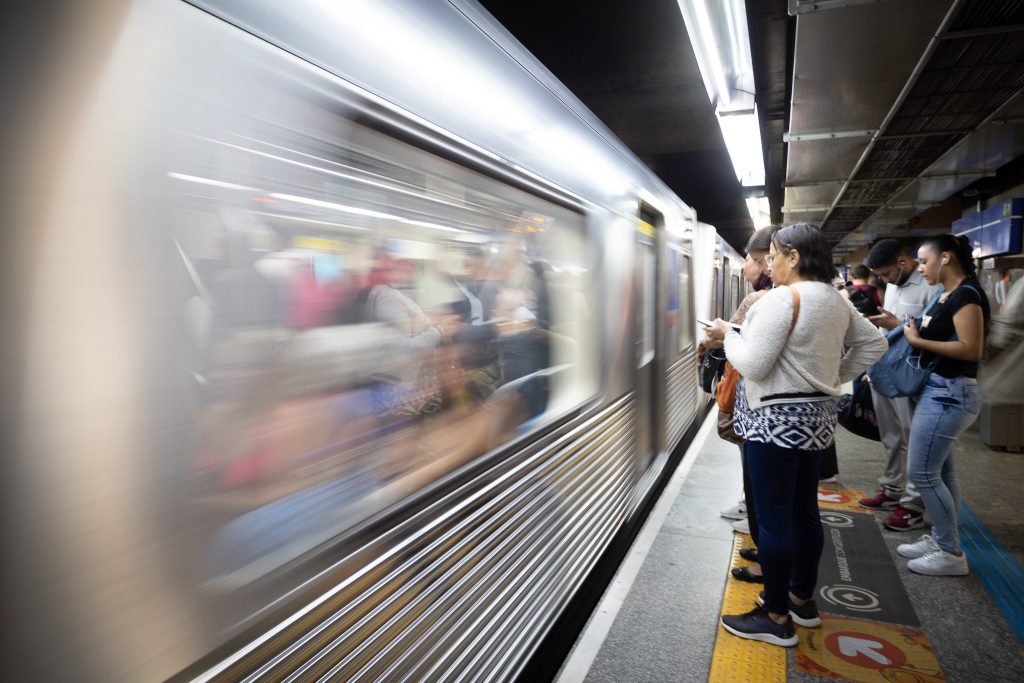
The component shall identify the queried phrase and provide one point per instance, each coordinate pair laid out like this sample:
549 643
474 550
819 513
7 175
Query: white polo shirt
911 297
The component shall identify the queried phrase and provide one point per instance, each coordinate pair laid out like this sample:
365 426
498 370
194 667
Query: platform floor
658 619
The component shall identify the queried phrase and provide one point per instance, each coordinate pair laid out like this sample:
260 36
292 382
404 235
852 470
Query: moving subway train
346 342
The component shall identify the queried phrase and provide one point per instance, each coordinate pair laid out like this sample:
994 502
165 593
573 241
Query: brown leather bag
725 395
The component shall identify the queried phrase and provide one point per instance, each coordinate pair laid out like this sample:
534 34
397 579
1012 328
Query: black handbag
711 368
857 411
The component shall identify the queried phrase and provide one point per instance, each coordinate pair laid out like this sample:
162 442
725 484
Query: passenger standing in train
906 293
477 335
952 335
417 390
790 356
755 270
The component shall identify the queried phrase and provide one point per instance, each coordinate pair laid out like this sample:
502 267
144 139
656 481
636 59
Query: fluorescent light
759 212
209 181
425 224
719 36
709 45
344 208
742 135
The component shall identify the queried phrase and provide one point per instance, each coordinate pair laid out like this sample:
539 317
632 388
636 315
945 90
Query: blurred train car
347 340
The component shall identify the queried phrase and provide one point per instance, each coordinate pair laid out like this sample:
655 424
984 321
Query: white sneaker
940 563
919 548
742 526
738 511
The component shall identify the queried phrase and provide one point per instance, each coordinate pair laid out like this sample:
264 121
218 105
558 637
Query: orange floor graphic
866 652
830 498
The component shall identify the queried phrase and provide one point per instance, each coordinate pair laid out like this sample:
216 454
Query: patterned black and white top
805 425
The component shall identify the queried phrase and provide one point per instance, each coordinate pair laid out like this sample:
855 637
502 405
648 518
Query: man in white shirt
906 293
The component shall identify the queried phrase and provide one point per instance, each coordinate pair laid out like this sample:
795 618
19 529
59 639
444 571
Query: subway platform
659 617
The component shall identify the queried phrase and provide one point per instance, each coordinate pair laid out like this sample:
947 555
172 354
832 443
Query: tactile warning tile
846 500
866 652
737 659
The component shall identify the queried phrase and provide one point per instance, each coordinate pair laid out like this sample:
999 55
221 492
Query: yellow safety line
738 660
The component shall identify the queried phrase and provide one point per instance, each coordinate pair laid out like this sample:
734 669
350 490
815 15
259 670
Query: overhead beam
828 135
980 172
977 32
797 7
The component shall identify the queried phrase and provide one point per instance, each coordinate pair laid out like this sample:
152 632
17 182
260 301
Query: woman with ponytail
952 336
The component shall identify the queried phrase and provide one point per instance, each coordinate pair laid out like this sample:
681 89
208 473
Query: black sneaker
757 625
806 614
749 554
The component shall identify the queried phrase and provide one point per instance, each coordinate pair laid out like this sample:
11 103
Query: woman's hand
911 332
717 331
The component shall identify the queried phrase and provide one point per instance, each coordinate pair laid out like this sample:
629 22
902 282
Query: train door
647 326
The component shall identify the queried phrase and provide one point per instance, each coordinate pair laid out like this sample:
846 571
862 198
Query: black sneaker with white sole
805 615
757 625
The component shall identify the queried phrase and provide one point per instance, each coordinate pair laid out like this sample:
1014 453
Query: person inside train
906 293
475 334
755 271
416 390
790 355
951 335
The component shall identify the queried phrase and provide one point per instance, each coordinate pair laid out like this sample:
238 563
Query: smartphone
708 323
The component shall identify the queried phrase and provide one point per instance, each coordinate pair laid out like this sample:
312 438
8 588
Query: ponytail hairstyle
959 246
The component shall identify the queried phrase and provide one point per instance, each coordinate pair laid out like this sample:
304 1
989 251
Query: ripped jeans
945 408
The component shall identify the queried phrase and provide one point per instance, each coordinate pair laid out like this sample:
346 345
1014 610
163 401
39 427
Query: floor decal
841 499
856 575
866 651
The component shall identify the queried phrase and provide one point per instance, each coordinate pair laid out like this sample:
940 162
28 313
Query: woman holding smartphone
790 355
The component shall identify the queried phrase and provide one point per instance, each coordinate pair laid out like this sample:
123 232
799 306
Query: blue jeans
945 408
785 482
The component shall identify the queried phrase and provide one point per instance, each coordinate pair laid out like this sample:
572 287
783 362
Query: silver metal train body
347 341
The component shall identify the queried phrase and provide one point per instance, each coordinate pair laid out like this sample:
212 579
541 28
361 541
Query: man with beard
906 293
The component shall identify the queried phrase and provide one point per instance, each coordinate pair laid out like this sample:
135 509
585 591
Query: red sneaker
879 501
902 519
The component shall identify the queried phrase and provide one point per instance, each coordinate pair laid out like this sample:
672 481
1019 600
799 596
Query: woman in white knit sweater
790 355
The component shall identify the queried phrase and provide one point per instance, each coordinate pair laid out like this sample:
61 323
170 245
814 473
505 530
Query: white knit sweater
810 360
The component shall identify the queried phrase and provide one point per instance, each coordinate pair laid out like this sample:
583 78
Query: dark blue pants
785 483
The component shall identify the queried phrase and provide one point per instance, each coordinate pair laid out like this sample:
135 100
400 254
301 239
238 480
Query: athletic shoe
757 625
806 614
749 554
742 526
830 480
940 563
738 511
744 574
879 501
919 548
902 519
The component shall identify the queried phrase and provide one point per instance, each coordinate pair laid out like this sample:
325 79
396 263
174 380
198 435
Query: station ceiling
876 115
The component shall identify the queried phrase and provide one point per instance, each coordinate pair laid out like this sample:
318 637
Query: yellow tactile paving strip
736 659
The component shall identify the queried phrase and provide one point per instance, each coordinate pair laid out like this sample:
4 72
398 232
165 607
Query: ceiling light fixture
721 44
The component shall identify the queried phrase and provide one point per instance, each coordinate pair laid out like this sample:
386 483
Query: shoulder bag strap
796 307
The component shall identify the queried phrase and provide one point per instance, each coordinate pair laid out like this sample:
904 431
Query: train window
365 317
686 322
